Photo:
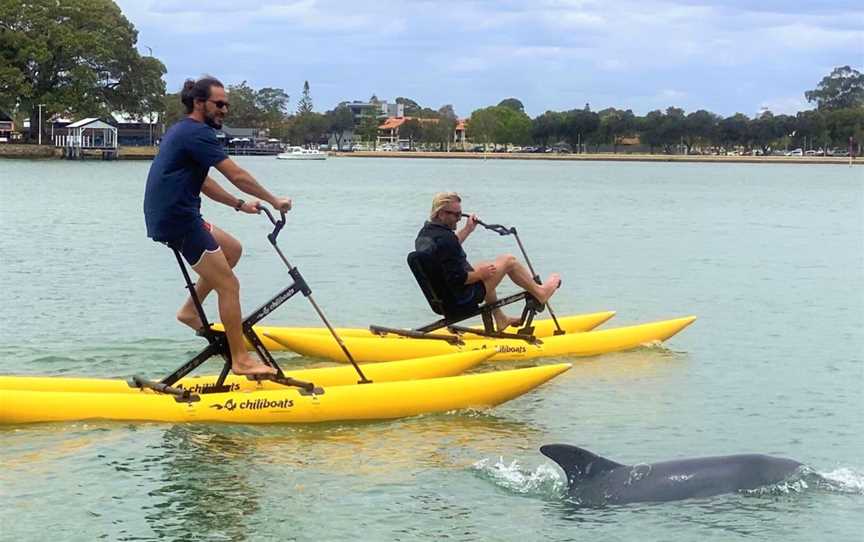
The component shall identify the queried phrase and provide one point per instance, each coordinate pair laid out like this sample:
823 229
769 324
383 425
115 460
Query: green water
769 257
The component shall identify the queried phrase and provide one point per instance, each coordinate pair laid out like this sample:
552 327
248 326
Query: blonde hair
441 200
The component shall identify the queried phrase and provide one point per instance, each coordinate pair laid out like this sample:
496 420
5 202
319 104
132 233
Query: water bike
315 395
530 340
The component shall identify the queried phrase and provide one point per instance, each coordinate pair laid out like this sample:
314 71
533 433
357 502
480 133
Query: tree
513 104
734 131
305 104
307 129
514 127
842 88
547 127
412 130
579 126
443 130
244 106
173 109
273 106
482 126
368 129
765 131
410 107
700 128
614 123
651 129
76 57
339 121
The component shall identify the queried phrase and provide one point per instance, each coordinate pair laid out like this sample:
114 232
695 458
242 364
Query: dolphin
595 481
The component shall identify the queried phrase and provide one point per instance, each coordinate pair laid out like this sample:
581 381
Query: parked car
796 152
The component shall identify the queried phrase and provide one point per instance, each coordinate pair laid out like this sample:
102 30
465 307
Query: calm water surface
769 257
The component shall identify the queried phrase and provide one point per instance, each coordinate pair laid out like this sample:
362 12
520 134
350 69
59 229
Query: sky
729 57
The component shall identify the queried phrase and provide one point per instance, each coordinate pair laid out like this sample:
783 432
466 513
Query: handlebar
497 228
277 224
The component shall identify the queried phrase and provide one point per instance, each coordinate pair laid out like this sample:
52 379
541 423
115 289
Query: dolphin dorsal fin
578 463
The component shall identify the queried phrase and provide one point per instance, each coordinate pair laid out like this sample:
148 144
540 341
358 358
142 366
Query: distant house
7 126
628 140
241 137
360 110
89 133
389 130
138 132
379 109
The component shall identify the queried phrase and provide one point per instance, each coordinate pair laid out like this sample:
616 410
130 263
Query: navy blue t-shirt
172 199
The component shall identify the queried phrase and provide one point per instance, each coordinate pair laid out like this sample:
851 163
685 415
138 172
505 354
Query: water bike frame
218 341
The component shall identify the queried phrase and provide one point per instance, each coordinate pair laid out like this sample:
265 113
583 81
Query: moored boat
299 153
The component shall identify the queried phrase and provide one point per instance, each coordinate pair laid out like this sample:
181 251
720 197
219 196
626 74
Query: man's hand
281 204
470 223
251 207
486 271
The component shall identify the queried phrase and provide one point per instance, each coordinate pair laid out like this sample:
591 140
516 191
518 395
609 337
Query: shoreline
15 151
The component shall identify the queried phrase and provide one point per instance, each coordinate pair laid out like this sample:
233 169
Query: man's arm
243 180
214 191
466 230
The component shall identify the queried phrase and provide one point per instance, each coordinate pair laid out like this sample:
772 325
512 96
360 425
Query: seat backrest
429 274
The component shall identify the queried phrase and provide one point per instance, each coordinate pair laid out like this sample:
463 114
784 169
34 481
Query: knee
233 251
508 261
227 284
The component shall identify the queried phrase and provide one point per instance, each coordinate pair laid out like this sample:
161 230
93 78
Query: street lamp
40 106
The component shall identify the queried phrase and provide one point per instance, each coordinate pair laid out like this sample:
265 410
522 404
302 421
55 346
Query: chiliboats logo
507 349
254 404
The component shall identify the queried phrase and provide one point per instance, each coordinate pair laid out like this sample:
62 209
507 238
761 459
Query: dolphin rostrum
594 481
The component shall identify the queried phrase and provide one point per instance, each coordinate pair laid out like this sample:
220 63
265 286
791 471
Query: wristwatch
239 205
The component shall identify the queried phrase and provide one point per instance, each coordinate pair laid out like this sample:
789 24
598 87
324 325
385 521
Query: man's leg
215 270
520 275
507 264
502 321
232 249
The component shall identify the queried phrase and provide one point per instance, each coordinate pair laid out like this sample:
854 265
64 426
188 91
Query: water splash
844 480
545 480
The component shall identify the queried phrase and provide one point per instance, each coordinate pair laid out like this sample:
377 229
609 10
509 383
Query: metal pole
536 278
40 106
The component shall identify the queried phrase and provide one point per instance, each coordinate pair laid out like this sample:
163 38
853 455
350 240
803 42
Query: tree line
839 115
80 58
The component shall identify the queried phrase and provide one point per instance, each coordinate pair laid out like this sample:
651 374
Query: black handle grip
277 224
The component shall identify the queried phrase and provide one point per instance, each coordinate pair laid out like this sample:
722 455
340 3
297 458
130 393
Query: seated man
477 283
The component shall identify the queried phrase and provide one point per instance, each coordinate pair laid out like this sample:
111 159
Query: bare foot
189 318
247 366
549 287
507 321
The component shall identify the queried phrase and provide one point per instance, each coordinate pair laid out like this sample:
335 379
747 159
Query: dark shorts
473 294
195 243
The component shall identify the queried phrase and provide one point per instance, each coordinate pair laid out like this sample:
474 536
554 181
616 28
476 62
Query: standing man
172 210
473 284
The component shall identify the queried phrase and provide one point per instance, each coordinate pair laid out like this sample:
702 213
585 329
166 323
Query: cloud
725 56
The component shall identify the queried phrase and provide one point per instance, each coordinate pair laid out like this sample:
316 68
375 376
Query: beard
213 122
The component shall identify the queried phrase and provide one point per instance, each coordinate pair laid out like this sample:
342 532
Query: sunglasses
454 213
220 104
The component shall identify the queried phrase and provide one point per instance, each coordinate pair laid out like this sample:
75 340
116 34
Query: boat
353 402
393 348
340 375
542 328
299 153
